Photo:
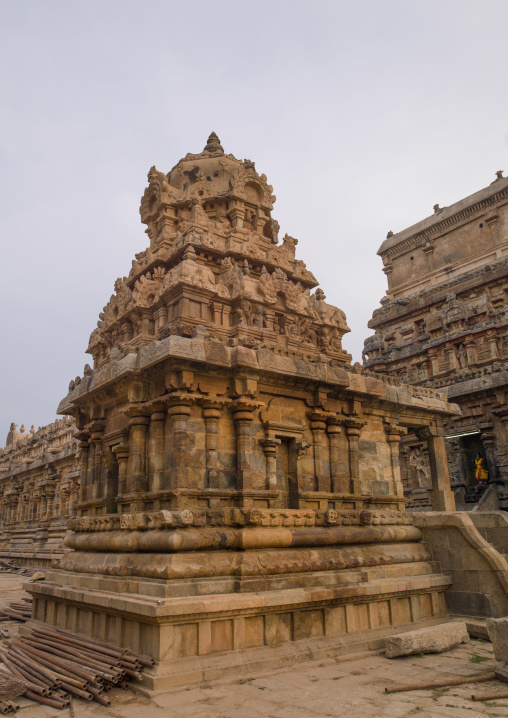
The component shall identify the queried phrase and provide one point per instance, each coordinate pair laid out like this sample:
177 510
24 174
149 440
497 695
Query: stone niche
240 501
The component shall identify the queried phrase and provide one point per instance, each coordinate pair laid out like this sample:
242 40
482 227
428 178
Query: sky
362 114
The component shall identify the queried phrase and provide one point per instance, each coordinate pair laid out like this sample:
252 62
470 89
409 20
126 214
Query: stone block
477 629
435 639
498 634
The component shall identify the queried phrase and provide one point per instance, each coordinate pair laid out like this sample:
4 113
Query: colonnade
125 472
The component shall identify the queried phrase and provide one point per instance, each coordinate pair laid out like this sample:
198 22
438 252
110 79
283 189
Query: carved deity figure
417 463
462 356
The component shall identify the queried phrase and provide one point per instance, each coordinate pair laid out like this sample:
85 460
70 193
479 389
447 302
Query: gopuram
240 502
444 324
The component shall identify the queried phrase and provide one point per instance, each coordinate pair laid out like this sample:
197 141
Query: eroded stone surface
435 639
498 633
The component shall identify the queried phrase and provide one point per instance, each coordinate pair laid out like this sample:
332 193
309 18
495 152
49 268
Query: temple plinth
240 498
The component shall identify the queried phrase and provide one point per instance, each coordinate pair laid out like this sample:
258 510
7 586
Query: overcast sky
362 114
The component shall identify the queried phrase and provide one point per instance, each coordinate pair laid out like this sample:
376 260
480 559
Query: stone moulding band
145 520
237 539
221 564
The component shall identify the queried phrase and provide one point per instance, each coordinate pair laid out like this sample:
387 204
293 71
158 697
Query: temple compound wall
444 324
39 484
240 501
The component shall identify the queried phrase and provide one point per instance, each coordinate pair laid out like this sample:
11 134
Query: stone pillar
50 498
110 472
340 479
353 431
434 368
122 455
146 322
178 415
428 250
97 480
211 415
137 479
471 352
492 340
270 451
161 317
243 416
318 426
217 313
489 444
442 495
84 448
157 427
393 436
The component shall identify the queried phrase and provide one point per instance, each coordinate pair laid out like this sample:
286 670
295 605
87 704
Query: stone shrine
240 501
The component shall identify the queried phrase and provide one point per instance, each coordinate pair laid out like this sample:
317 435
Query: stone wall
478 570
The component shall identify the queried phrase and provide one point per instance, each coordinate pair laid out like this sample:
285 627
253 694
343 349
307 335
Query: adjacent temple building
240 488
444 324
39 485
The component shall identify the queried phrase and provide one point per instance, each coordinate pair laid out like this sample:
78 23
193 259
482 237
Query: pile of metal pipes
17 611
9 707
57 665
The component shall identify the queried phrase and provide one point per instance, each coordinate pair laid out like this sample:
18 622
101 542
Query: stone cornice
432 227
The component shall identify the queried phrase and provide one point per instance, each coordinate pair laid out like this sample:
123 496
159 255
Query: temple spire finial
213 144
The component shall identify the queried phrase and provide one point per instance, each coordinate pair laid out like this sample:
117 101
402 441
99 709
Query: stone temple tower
240 487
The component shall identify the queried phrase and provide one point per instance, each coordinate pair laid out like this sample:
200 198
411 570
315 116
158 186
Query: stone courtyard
353 686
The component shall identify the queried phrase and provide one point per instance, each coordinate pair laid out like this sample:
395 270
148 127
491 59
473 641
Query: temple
443 325
240 498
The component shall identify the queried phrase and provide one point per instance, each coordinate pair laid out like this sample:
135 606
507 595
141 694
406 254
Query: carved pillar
243 416
146 321
110 472
84 448
137 479
442 495
217 313
491 217
122 455
489 443
471 352
353 431
157 426
179 455
428 251
161 317
393 436
434 369
97 480
492 340
211 414
270 319
50 493
237 213
270 451
340 479
318 426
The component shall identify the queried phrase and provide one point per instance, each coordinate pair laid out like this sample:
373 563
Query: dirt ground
352 688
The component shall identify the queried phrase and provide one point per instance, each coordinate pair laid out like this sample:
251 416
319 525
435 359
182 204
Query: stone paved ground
347 688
